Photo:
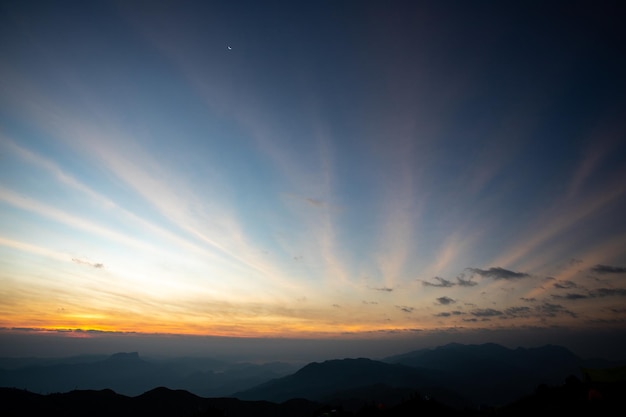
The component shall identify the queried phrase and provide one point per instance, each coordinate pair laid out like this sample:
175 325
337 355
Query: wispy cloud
565 285
461 281
553 310
76 222
383 289
609 292
445 300
608 269
405 309
88 263
498 273
571 296
440 282
518 311
486 312
38 250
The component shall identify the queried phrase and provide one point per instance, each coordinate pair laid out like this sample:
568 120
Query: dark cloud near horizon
518 311
609 292
571 296
406 309
597 293
498 273
486 312
553 310
541 311
449 313
608 269
443 283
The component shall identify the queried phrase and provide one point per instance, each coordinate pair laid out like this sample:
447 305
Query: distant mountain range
458 376
493 374
129 374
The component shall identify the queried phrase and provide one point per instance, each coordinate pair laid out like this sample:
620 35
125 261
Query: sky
322 170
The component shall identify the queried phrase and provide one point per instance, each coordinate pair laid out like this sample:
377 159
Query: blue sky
312 169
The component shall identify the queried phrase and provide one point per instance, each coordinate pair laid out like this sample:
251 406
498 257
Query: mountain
159 402
352 380
457 375
570 398
129 374
493 374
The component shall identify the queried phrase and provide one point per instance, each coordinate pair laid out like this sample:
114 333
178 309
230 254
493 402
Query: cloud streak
498 273
608 269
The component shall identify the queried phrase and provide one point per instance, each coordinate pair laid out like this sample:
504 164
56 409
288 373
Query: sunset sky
314 169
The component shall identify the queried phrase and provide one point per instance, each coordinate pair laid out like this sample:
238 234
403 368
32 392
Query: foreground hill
159 402
570 398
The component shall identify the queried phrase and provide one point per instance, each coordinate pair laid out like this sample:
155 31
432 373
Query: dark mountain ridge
493 374
457 375
325 381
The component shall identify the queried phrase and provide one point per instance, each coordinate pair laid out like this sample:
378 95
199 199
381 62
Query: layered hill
129 374
457 375
354 381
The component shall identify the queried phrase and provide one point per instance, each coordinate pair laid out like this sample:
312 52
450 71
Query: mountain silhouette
159 402
455 375
453 379
341 380
129 374
493 374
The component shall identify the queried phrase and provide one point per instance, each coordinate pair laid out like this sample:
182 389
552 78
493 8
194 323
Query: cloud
406 309
442 283
518 311
498 273
598 293
565 285
315 202
449 313
552 310
92 264
609 292
446 300
608 269
384 289
461 281
573 296
486 312
575 261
